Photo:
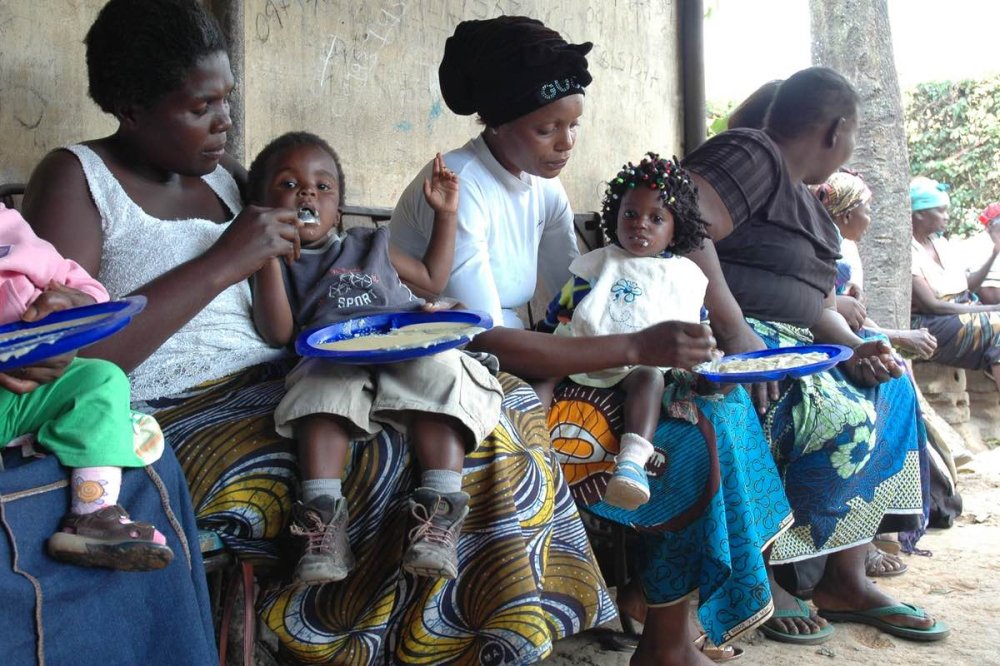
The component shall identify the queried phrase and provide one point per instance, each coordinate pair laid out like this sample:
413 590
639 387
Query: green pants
83 418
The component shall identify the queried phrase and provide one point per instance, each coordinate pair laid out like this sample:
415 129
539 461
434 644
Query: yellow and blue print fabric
527 576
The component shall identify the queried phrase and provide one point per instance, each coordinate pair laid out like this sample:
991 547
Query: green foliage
717 113
953 133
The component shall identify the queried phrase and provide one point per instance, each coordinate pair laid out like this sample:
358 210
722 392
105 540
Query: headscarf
927 193
990 213
509 66
843 192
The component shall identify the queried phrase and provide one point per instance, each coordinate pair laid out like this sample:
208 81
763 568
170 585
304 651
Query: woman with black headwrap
527 86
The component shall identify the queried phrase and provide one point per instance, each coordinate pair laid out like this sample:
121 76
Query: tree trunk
853 37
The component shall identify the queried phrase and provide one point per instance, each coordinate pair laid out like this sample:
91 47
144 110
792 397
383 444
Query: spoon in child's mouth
307 216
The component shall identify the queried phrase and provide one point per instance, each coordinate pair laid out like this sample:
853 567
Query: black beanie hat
506 67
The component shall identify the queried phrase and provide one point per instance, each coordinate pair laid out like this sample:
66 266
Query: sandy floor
959 584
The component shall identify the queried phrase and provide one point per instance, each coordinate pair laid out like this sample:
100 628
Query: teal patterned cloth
848 456
690 543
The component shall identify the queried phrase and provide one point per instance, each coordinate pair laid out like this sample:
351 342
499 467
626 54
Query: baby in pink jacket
82 417
29 265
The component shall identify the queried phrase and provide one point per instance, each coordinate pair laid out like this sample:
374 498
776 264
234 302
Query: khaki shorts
370 396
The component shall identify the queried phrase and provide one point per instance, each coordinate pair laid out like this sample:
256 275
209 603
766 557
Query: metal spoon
306 216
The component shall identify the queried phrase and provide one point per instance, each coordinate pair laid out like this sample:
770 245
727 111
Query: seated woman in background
846 440
527 85
967 332
154 209
846 198
978 248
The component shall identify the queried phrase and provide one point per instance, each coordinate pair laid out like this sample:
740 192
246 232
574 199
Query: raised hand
441 189
255 236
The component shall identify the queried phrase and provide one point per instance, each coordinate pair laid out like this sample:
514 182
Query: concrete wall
43 82
361 74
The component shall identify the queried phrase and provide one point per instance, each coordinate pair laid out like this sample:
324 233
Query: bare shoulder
56 185
57 169
58 206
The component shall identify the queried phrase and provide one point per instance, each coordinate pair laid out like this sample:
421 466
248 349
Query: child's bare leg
643 398
323 443
322 516
438 506
628 487
545 388
437 442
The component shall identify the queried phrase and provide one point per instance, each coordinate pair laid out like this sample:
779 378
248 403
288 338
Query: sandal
776 634
108 538
715 653
875 617
879 563
887 543
707 648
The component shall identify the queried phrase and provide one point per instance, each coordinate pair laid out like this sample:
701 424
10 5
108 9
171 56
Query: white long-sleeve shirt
511 230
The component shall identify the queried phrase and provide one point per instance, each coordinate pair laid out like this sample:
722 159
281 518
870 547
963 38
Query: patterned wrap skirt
849 456
527 576
969 340
696 535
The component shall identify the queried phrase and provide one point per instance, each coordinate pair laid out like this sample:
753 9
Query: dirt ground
959 584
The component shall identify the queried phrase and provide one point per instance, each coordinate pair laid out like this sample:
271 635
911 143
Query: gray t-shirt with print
348 276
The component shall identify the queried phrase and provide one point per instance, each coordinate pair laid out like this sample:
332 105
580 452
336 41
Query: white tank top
138 248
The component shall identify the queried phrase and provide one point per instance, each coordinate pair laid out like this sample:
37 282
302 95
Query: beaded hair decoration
676 191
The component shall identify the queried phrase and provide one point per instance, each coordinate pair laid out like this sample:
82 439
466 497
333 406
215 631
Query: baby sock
94 488
313 488
442 481
635 449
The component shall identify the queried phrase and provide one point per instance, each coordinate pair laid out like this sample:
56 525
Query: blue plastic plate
307 344
74 329
835 354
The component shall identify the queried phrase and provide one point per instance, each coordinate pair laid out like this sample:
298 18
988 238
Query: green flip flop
874 617
821 636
